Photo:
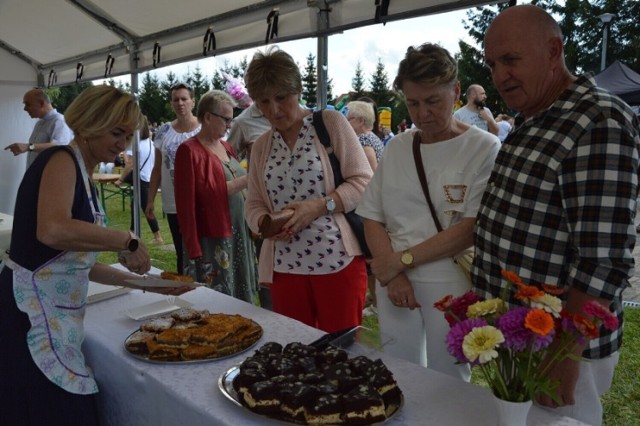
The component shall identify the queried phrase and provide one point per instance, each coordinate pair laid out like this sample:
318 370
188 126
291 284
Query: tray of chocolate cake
303 384
189 336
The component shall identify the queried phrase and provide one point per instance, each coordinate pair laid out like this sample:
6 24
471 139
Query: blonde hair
272 71
364 110
211 101
429 64
99 109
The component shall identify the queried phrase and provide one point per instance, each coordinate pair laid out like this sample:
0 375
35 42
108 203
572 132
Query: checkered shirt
560 204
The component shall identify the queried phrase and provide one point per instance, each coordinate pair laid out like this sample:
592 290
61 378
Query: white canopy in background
54 36
57 42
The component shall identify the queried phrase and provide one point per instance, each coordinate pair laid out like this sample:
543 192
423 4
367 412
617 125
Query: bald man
475 113
50 129
560 204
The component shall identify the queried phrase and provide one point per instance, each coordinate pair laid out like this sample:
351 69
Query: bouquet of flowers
512 346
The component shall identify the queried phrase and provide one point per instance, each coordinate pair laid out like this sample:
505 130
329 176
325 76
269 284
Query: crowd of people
549 194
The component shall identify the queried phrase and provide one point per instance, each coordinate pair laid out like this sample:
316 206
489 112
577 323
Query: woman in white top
411 259
167 139
146 154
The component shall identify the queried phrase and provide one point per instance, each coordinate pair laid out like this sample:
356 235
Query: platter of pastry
188 336
302 384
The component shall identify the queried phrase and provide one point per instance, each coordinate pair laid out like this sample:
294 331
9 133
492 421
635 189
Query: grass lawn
621 403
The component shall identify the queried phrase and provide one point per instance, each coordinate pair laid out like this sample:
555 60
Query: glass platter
194 361
225 384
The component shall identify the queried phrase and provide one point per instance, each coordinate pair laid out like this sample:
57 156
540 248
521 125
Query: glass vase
511 413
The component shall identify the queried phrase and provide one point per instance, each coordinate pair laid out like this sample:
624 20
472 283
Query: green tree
582 29
357 83
197 81
310 82
153 99
380 85
68 94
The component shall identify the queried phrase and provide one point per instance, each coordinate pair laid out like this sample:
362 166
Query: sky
366 45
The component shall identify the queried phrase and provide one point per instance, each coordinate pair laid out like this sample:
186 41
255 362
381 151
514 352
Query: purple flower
456 336
517 337
568 327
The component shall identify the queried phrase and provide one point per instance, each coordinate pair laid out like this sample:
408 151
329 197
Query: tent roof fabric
55 36
622 81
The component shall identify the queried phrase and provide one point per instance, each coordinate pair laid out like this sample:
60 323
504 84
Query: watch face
133 244
331 205
406 258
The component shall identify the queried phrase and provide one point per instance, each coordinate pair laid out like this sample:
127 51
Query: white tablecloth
134 392
6 225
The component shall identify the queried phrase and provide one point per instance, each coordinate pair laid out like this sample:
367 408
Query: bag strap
321 129
148 155
417 157
325 140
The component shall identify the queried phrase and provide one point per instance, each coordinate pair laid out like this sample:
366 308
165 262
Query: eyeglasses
227 121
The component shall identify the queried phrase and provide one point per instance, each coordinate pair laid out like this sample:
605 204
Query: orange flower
511 277
539 321
527 292
586 326
444 303
552 289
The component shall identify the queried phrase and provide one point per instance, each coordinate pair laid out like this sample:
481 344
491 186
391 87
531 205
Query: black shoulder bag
355 220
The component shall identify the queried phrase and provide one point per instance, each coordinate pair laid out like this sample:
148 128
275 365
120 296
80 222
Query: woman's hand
385 268
305 212
137 261
400 293
149 211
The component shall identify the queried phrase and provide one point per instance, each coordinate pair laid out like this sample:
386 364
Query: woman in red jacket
210 187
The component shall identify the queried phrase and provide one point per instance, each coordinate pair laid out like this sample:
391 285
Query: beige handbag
465 259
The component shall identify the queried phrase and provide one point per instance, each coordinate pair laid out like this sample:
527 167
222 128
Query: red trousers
329 302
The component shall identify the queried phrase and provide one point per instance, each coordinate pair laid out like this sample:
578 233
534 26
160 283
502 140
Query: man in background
245 129
50 129
505 125
560 204
475 112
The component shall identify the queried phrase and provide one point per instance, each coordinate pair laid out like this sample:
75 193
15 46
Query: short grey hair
211 101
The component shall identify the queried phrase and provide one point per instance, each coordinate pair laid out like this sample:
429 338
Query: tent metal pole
322 67
135 148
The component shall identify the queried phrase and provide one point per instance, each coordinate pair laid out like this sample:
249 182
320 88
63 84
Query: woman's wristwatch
133 242
330 204
407 259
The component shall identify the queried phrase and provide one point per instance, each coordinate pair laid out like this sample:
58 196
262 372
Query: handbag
464 260
354 219
129 176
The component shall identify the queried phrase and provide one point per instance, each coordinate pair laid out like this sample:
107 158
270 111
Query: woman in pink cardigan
314 264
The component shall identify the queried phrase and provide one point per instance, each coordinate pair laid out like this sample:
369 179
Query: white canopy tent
59 42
